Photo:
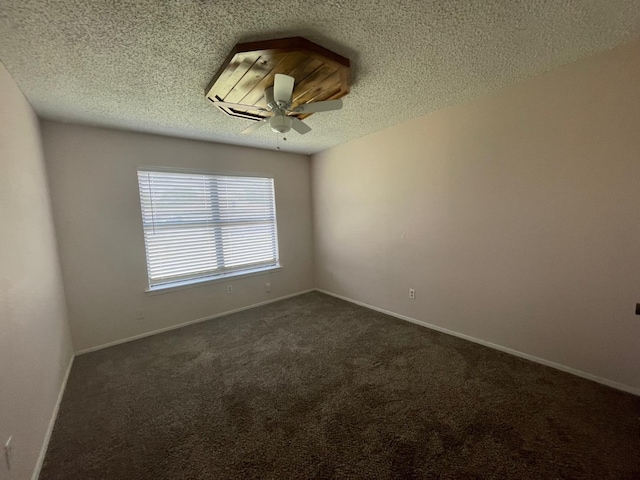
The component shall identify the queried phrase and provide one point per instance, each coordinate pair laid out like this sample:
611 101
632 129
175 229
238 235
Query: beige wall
515 217
35 345
96 207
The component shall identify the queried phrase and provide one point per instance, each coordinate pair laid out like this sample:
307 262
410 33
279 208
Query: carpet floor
313 387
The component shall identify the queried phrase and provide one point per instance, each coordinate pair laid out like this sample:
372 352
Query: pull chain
284 139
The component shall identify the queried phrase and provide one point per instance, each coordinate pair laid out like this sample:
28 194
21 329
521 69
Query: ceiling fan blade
283 88
319 107
299 126
239 105
255 126
268 95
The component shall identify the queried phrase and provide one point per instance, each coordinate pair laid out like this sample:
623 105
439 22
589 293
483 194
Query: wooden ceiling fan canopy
250 68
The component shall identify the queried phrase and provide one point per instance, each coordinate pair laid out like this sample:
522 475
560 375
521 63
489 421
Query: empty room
319 240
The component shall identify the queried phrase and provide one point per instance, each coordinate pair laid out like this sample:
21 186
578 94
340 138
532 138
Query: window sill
200 282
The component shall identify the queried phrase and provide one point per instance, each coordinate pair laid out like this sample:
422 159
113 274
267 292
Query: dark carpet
316 388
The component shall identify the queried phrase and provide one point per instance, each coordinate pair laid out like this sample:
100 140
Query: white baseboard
190 322
52 421
548 363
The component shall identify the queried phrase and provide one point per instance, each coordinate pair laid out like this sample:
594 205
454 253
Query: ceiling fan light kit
280 123
279 82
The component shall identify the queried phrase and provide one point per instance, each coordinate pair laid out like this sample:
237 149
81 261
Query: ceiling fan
279 111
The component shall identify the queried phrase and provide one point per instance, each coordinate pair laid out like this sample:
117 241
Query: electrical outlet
8 453
267 286
412 294
229 288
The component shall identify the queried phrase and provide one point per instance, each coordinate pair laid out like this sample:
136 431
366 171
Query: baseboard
47 437
542 361
190 322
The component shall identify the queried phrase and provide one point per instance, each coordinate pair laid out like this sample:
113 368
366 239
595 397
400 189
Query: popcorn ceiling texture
143 65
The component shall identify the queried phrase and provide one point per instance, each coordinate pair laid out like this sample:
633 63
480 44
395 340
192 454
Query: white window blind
197 226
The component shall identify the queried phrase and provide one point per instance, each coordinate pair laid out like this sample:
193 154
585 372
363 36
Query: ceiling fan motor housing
280 123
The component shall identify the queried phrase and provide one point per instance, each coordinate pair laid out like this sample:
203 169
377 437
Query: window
199 227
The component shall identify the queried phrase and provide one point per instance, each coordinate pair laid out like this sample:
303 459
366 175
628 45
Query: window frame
217 277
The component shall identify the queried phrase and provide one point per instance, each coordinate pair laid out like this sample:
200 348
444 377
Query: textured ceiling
143 64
